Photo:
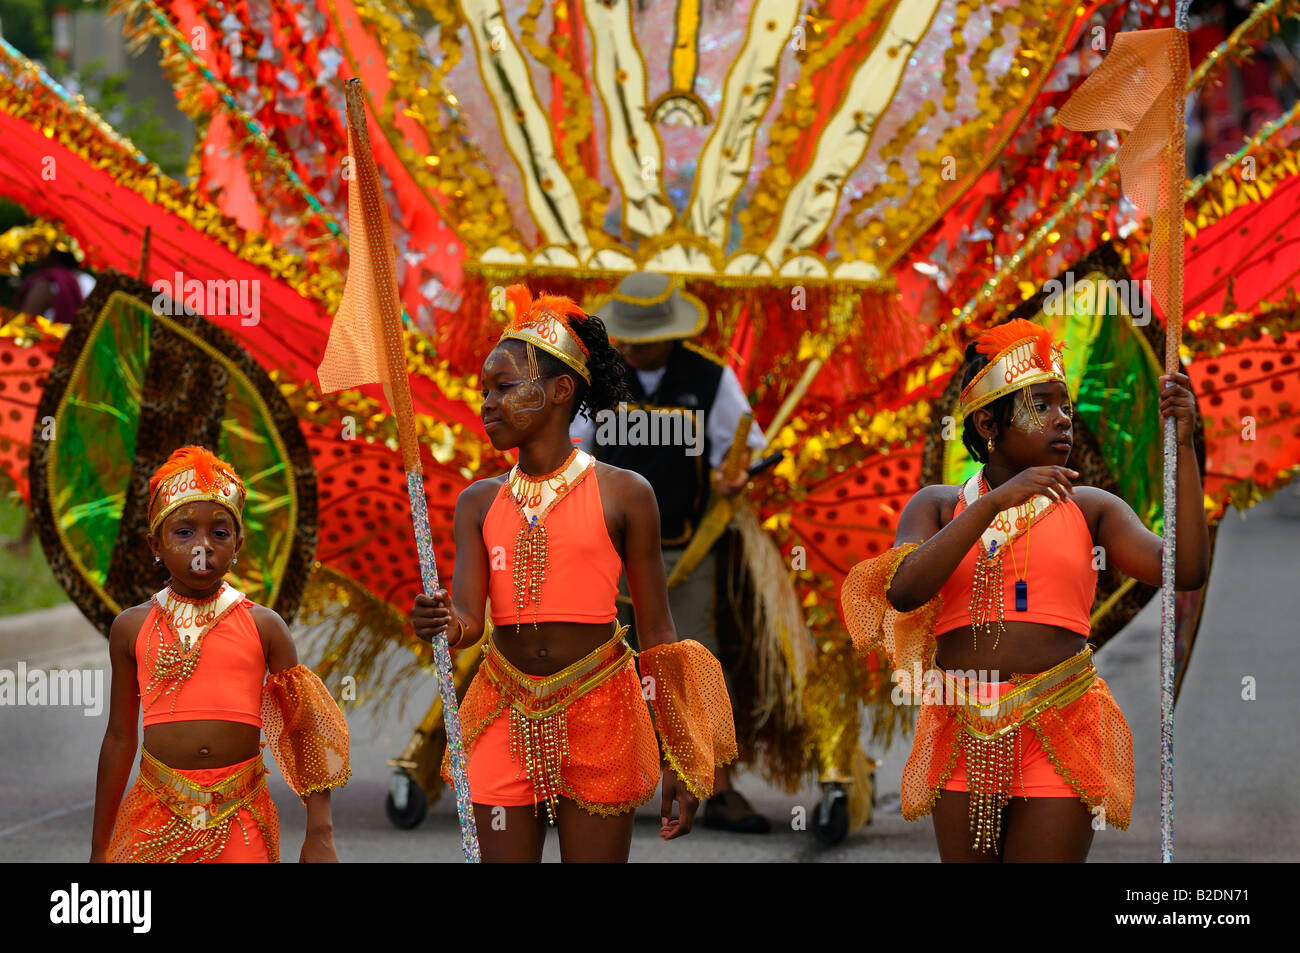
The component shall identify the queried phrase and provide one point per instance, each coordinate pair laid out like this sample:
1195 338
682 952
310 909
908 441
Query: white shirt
719 425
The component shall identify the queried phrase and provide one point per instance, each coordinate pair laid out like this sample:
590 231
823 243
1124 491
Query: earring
235 560
157 559
990 445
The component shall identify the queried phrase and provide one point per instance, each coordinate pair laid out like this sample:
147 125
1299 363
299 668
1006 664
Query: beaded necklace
186 613
530 491
172 661
987 609
532 554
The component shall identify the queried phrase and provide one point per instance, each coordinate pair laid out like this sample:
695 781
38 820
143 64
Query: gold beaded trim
540 698
217 801
1055 687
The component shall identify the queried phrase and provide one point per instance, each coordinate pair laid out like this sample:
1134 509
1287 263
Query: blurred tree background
29 26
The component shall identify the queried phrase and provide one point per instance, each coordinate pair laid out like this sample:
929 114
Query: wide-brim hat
647 307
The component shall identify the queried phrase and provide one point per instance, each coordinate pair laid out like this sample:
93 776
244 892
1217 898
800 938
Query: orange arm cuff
905 638
692 711
306 731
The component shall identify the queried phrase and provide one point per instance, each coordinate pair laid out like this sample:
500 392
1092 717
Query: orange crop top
226 685
1062 580
583 566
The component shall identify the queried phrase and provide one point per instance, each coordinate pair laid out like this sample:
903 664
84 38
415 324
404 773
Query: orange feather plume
204 462
997 339
528 310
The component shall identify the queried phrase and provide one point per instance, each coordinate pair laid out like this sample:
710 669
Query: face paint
184 540
522 403
521 397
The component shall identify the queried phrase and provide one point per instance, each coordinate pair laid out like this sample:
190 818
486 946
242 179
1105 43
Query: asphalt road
1236 759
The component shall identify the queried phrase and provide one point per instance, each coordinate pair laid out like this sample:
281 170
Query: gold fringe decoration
24 244
783 649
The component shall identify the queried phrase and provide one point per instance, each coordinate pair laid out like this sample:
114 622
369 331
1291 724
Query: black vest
680 481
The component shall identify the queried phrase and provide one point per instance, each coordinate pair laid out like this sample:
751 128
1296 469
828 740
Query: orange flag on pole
367 346
1141 87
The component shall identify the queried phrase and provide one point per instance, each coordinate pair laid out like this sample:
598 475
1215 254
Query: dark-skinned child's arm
117 752
281 655
924 571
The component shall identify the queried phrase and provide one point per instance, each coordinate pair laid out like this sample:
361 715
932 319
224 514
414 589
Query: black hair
1001 408
609 372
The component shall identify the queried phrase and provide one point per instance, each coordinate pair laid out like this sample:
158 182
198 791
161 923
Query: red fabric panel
22 378
365 519
1256 247
1249 397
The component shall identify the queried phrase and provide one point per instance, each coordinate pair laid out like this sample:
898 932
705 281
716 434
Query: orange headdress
547 323
1020 354
191 474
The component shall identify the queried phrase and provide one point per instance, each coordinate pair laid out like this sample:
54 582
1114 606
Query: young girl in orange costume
1017 769
196 656
555 722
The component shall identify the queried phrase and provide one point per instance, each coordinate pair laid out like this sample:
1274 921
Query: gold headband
552 335
183 487
1019 365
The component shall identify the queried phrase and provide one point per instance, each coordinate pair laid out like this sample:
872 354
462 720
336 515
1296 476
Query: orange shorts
494 777
252 834
612 761
1035 775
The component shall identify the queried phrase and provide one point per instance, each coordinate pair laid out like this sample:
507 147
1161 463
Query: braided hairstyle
970 437
609 372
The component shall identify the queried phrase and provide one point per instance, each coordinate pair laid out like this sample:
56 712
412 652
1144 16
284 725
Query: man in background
651 322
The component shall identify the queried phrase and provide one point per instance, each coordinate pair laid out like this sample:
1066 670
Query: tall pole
1173 339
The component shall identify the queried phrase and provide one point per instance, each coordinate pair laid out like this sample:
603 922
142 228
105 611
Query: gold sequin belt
202 806
1059 685
539 726
538 698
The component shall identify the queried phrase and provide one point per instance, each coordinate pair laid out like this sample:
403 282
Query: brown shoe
729 811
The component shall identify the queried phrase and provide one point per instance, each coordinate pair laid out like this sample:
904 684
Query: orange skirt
605 755
1082 749
202 815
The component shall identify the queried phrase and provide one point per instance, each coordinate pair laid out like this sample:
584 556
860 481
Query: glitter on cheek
1024 418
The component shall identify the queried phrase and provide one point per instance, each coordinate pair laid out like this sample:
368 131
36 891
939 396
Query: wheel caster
406 804
831 817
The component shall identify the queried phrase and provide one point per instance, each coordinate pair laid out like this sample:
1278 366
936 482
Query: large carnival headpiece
546 323
1020 354
193 474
